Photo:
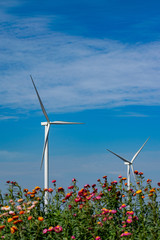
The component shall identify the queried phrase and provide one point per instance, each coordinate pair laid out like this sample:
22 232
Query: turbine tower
45 154
129 164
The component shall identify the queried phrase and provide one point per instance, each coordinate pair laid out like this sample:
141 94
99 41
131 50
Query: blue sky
95 62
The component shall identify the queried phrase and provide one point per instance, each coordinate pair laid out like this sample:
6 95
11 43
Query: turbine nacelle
127 163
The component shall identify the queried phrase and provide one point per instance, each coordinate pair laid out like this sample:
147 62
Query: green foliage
107 211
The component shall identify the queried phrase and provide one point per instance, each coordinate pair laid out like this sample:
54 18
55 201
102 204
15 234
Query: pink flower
58 229
98 197
104 219
98 238
53 181
129 213
50 229
45 231
129 220
112 211
123 205
73 237
120 176
73 180
77 199
125 234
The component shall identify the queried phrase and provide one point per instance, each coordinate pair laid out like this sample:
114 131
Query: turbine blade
133 173
62 122
125 160
46 139
42 107
138 151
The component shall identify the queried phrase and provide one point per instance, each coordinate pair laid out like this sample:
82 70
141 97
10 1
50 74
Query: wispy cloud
133 114
8 117
73 73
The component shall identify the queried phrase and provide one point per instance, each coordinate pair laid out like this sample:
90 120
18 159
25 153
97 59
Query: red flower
158 183
70 187
60 189
68 195
53 181
50 190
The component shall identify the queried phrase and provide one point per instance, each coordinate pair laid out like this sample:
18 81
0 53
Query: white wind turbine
45 154
129 164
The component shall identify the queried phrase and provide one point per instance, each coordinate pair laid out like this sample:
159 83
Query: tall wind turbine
129 164
45 154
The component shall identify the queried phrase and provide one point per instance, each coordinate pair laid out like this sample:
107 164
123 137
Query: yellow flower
139 191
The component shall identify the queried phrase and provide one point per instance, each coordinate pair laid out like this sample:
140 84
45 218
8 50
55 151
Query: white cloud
73 73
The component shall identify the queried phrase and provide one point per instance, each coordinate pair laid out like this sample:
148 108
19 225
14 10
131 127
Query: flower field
103 211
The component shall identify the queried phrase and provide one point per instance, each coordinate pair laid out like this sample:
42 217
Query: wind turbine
45 154
129 164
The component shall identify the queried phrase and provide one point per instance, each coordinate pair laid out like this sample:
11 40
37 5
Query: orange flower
124 178
30 217
34 191
37 188
2 226
50 190
149 180
20 200
150 195
125 184
32 195
40 219
15 217
18 221
152 190
13 229
25 190
10 220
143 196
123 195
29 193
21 212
